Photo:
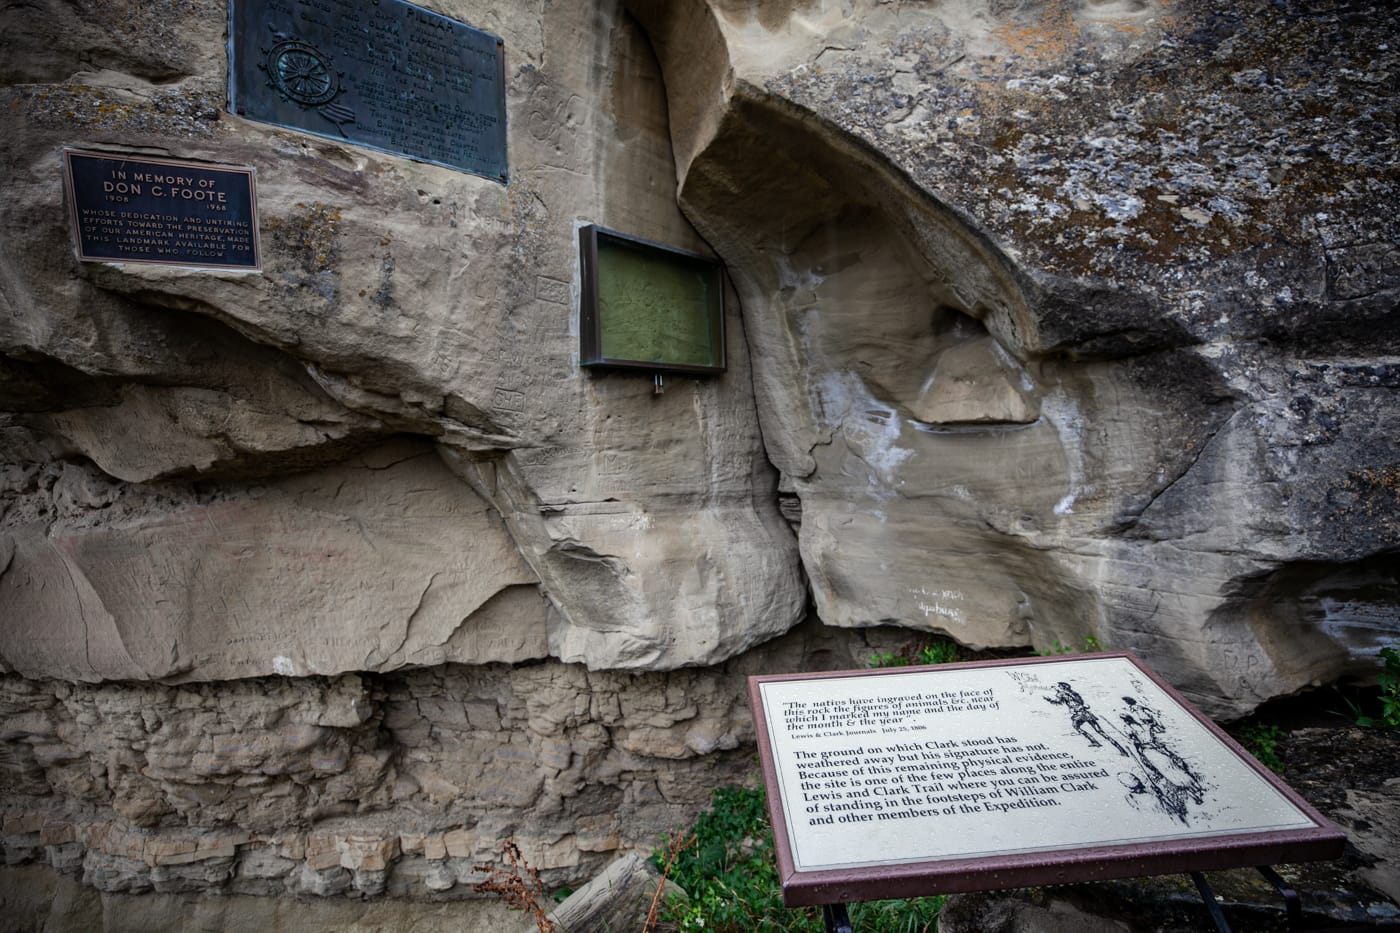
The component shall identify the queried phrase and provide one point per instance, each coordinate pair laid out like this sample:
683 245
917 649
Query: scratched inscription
938 603
385 74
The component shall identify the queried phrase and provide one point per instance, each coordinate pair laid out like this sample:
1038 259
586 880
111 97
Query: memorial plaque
130 208
648 306
385 74
1001 774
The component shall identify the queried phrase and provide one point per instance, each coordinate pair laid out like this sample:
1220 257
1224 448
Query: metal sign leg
1291 902
1208 896
836 918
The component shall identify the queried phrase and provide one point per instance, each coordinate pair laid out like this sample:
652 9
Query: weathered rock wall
175 584
368 784
396 299
1047 320
1068 319
232 505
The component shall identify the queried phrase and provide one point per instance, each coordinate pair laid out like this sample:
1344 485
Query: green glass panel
658 307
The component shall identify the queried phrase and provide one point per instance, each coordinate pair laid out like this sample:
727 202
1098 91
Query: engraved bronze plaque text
379 73
129 208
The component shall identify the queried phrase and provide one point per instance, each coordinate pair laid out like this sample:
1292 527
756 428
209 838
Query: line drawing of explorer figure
1082 718
1145 729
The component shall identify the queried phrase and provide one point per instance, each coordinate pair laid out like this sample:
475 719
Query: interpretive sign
648 306
968 777
130 208
385 74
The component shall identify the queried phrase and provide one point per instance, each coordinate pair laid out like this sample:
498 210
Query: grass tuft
726 865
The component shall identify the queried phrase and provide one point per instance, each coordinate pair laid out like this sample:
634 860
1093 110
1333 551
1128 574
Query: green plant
728 870
1389 683
1091 644
1354 709
1262 741
1390 688
937 651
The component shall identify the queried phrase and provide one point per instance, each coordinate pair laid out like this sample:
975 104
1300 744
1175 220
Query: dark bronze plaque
128 208
379 73
647 306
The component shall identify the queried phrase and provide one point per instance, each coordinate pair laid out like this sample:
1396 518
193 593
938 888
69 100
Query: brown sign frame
593 327
1323 840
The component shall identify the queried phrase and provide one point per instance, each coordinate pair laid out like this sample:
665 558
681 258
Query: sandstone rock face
1047 321
383 561
396 299
991 269
367 784
1068 319
233 505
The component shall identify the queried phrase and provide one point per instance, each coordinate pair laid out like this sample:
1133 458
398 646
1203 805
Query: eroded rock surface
385 560
396 299
1065 319
1048 321
1068 319
365 784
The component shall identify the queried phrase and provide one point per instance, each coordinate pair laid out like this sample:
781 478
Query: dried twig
674 847
519 886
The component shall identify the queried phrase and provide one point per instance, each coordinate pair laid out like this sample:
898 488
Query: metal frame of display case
590 317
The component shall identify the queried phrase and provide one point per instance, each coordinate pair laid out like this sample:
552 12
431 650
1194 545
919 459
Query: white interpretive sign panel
999 774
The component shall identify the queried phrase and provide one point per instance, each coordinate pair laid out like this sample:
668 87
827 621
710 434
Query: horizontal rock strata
359 785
